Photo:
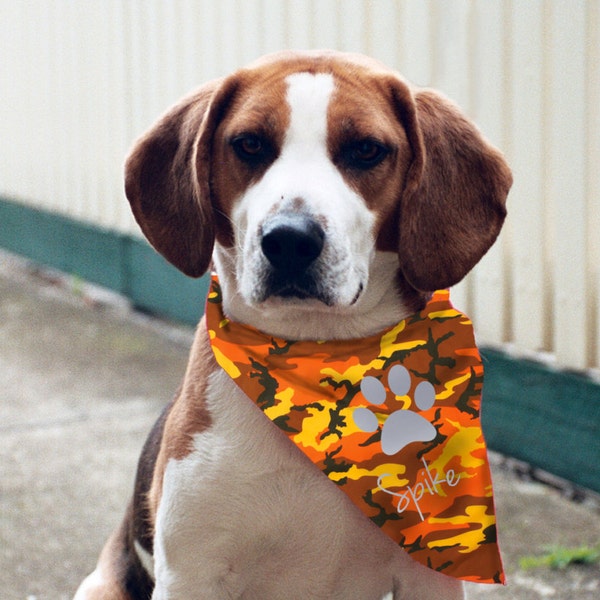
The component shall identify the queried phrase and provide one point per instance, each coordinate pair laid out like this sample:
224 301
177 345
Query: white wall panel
592 175
80 80
383 32
529 273
353 26
414 22
491 295
566 174
274 29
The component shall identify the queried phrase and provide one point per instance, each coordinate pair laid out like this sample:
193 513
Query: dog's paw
402 427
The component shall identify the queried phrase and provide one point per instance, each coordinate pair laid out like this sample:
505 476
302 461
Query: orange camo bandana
392 419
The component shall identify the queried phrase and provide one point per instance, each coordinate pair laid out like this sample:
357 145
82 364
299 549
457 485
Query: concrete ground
82 379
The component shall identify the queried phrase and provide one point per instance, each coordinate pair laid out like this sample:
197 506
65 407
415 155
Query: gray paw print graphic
402 427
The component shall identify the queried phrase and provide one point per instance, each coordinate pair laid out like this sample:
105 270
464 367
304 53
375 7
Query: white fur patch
308 98
92 582
146 558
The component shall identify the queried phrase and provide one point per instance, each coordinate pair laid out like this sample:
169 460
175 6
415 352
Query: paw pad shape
402 427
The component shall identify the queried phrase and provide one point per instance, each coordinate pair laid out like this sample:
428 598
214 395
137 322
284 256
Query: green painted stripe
157 286
546 418
119 262
67 245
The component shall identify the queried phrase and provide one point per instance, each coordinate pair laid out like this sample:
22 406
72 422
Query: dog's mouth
302 291
295 288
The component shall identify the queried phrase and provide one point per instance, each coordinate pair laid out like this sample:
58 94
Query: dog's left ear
453 203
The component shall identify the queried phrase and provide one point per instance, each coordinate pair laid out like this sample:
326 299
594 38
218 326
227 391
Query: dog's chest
247 515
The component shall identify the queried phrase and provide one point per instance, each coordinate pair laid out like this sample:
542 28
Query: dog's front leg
190 559
200 577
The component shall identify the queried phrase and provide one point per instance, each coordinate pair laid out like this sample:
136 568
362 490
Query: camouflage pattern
430 490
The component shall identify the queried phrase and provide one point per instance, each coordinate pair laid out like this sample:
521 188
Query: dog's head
328 184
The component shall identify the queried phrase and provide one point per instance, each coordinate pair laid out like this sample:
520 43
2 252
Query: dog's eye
251 148
364 154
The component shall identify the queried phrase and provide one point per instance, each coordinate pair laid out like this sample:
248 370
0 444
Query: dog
331 197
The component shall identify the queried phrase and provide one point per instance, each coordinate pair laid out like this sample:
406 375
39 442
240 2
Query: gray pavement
82 378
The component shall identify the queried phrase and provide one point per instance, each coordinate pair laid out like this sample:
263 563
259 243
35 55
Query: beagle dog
331 197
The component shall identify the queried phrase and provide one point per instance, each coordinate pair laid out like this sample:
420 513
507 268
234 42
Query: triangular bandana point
393 420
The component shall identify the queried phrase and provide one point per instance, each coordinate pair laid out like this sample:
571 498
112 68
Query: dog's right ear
167 176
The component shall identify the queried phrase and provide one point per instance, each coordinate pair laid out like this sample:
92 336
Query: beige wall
80 79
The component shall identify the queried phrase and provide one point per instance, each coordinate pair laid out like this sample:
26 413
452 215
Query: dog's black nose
292 242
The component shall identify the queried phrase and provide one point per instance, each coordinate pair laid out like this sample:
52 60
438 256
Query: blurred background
81 79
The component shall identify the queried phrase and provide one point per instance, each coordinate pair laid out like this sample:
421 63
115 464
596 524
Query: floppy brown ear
167 183
453 204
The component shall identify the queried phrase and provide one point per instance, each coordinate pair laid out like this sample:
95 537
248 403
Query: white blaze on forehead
308 97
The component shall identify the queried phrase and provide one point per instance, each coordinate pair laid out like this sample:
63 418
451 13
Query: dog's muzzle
292 243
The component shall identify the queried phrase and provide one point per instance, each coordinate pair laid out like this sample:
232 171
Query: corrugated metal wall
79 80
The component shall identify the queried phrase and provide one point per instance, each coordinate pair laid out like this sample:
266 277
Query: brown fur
186 416
452 207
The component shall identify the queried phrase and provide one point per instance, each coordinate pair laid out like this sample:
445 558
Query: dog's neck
386 301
